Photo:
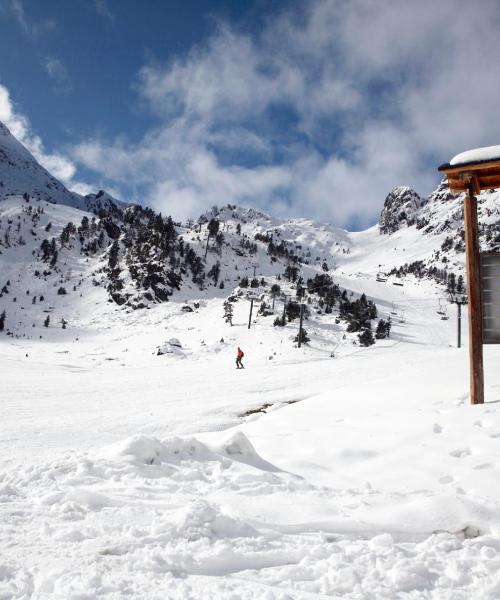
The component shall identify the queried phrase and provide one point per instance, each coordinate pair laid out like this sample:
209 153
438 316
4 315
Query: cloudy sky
311 108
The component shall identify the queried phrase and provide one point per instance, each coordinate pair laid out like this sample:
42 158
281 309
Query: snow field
124 474
375 482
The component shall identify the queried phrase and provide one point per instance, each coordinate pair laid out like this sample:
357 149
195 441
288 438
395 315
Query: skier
240 354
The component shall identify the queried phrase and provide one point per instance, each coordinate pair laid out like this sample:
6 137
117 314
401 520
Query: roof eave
465 166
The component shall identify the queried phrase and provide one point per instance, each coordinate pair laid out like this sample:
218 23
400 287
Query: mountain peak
237 213
21 173
400 209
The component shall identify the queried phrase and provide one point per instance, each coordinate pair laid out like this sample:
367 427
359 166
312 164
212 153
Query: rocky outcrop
400 210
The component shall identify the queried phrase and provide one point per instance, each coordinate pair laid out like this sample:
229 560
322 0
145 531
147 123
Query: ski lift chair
440 310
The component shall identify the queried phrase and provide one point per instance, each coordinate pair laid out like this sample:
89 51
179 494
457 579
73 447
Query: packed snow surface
127 474
476 155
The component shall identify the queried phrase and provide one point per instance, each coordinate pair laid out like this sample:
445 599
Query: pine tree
47 321
275 291
219 241
381 331
293 311
113 255
388 325
53 262
366 337
2 321
452 283
291 273
304 337
228 312
214 272
213 229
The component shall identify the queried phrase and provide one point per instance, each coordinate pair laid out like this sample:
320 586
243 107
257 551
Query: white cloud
321 112
58 73
30 27
102 9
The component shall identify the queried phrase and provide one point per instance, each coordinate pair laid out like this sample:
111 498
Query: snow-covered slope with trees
136 461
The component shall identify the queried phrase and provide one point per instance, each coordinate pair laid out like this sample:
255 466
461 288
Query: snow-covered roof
477 155
483 163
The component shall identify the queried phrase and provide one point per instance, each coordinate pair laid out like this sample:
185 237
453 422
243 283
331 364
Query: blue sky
314 108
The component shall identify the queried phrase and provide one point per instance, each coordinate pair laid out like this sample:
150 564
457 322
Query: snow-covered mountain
436 222
69 249
21 175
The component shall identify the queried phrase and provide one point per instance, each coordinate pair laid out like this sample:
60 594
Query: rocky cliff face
401 209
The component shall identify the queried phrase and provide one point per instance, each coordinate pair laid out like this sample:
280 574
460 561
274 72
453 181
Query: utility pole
254 267
284 311
458 298
459 324
301 320
250 316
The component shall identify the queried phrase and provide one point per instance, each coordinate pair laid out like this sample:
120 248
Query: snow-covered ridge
21 174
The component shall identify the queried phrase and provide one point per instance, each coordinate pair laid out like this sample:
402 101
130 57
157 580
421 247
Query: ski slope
364 475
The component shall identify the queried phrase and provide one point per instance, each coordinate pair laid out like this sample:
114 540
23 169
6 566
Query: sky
311 108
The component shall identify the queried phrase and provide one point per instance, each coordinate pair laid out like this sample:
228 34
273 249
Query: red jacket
240 353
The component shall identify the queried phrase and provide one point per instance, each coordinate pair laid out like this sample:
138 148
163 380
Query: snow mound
172 346
238 447
200 519
146 450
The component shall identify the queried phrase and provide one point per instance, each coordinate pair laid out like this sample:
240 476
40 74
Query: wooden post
474 293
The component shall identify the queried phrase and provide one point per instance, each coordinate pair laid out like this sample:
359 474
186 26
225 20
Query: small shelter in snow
471 172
